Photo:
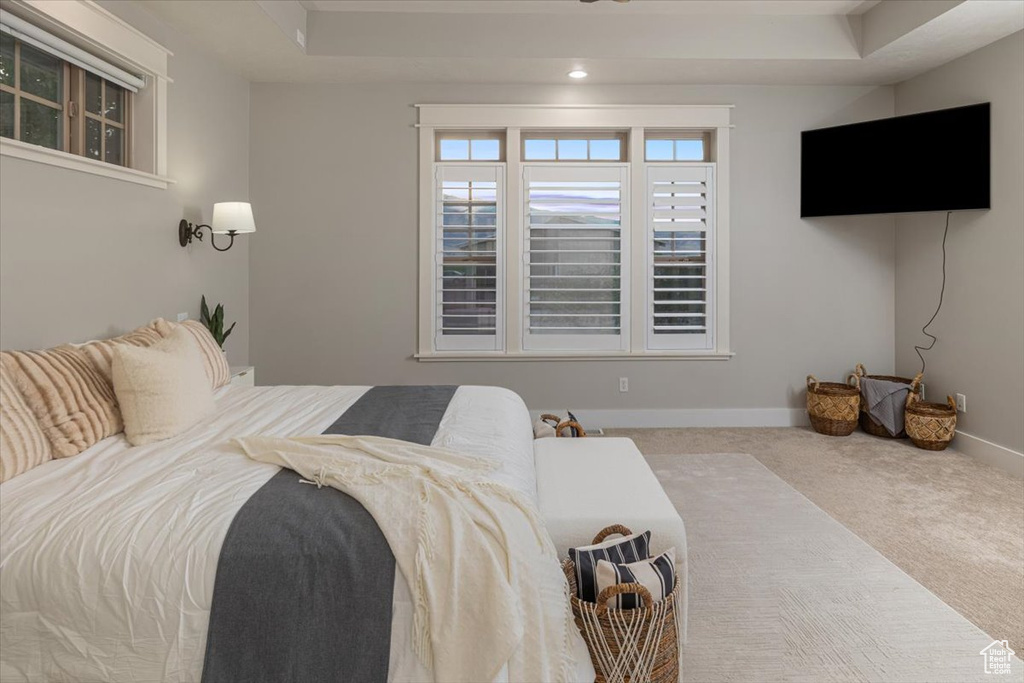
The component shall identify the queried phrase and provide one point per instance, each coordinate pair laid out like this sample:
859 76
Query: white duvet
108 558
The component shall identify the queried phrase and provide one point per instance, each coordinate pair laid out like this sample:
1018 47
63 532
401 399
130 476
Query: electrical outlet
623 384
961 403
920 389
182 317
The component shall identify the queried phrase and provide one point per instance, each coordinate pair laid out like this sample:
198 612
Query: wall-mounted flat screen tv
935 161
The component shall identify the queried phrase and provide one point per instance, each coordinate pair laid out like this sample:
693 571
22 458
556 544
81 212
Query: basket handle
951 402
566 425
860 370
915 384
620 588
609 530
912 398
549 418
856 380
812 382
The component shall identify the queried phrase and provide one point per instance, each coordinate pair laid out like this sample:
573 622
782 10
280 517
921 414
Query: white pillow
657 575
162 389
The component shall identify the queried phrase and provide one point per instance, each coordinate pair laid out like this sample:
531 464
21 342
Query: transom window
679 147
461 146
575 147
49 102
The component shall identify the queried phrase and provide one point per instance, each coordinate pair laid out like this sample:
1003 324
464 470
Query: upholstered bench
587 484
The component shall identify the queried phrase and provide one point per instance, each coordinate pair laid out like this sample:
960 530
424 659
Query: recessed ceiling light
577 73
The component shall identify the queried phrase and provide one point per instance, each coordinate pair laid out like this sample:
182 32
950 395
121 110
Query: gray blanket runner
305 577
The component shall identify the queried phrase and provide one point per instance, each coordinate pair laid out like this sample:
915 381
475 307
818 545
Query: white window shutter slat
469 257
680 259
576 257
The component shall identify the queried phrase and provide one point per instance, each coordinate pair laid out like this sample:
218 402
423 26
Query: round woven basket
564 427
867 423
606 630
931 426
832 406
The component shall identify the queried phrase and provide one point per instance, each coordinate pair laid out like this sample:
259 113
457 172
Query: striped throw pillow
22 443
657 575
101 353
621 550
214 362
74 406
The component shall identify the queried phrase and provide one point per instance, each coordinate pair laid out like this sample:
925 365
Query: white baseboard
990 453
736 417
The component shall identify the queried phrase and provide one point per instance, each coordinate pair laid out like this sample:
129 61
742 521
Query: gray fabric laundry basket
868 423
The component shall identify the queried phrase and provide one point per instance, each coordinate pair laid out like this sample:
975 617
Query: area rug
780 591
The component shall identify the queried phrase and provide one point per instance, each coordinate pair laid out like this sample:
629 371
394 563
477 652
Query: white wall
84 257
333 268
980 351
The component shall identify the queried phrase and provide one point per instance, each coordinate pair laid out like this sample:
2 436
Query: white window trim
705 341
488 171
512 119
575 343
89 26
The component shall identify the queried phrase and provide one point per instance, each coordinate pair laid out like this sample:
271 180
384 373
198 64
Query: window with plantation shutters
576 256
573 232
468 256
680 243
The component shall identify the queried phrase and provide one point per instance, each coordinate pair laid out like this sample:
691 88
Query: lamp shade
232 217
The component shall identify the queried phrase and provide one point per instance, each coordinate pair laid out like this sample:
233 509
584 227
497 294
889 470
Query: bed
129 599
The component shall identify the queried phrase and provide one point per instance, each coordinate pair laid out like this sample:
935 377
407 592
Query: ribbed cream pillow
72 403
162 389
22 443
101 352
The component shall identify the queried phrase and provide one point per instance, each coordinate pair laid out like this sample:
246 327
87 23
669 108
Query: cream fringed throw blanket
483 572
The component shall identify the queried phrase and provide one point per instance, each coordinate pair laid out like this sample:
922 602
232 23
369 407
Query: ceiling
802 42
757 7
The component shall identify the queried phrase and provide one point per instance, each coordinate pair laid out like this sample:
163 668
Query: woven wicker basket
867 423
832 406
608 632
561 426
931 426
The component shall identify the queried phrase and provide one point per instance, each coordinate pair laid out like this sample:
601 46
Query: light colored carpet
780 591
952 523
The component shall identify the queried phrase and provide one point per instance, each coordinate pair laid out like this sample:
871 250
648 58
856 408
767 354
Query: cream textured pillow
22 443
163 389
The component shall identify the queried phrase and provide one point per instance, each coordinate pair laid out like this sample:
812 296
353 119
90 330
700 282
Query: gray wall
980 352
84 257
333 268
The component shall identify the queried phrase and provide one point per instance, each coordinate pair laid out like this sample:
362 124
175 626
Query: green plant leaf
204 313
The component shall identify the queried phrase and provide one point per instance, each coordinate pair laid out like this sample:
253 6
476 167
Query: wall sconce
229 218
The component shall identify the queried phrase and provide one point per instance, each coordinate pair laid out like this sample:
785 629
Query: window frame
80 114
528 120
478 171
92 29
469 136
680 342
73 111
705 136
588 172
19 93
556 135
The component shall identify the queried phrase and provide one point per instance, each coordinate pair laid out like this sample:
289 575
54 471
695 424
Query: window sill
442 357
53 157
